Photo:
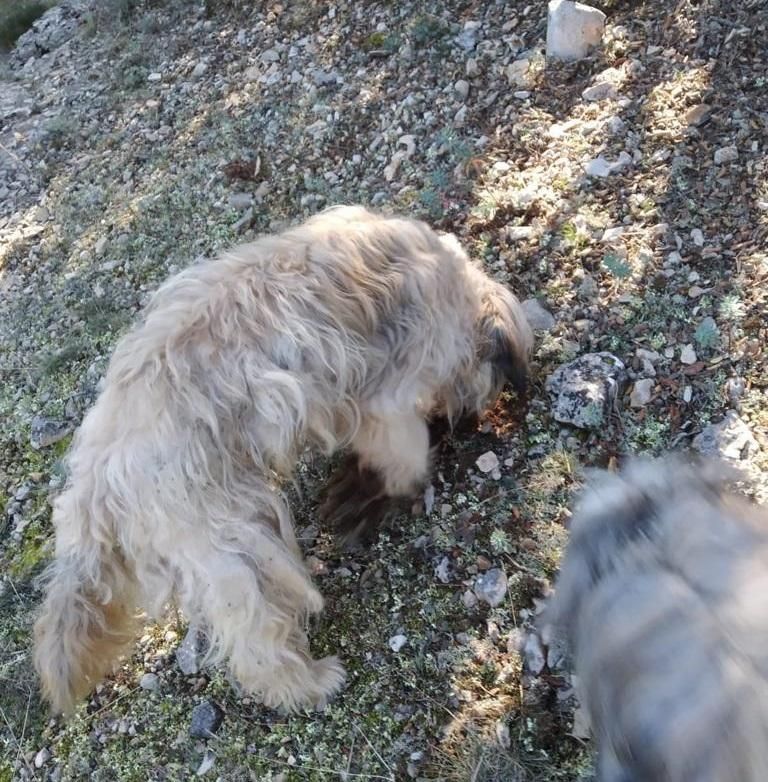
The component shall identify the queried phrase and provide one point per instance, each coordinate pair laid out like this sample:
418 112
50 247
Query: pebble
462 89
539 318
688 355
642 393
155 76
729 439
206 720
611 234
725 155
604 90
600 167
472 70
397 642
442 571
45 432
190 650
240 201
150 682
316 566
206 764
533 654
698 237
469 599
487 462
199 70
491 587
429 499
42 757
518 73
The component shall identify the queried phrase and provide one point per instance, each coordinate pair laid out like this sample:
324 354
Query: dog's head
503 340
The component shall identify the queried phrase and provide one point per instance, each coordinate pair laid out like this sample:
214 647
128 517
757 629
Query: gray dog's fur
349 330
663 594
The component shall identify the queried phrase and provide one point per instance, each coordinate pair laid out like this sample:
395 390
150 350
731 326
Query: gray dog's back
663 595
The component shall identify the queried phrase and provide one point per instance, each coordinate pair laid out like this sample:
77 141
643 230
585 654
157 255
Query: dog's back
662 594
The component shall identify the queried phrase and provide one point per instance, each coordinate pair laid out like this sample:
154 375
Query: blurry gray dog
663 596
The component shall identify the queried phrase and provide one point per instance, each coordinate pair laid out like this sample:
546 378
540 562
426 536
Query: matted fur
662 594
348 330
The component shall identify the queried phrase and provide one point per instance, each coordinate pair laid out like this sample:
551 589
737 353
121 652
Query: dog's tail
87 620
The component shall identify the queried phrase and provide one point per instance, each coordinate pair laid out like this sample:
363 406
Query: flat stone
642 393
150 682
462 89
726 155
604 90
538 317
697 114
46 432
584 390
600 167
729 439
206 720
240 201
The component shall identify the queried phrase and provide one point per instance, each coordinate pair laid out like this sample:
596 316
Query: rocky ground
625 197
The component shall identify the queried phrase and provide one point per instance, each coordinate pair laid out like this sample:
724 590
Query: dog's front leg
390 461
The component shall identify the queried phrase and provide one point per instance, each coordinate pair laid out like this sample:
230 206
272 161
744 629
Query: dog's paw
311 689
356 503
331 676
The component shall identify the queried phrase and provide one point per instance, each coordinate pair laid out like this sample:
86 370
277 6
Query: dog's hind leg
391 460
254 606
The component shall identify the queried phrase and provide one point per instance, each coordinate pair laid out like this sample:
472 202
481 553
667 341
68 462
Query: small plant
500 542
381 42
618 268
707 335
427 28
58 131
732 309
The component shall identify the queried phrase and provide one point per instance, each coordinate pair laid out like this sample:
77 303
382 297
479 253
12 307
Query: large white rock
573 29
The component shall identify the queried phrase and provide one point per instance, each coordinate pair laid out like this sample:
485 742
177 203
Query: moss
30 555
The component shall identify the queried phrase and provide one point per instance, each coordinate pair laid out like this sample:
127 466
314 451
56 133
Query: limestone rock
573 29
584 390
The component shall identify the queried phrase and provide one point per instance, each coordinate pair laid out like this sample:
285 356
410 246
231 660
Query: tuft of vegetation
17 16
618 268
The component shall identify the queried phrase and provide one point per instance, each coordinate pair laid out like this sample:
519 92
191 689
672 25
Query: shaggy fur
346 331
662 595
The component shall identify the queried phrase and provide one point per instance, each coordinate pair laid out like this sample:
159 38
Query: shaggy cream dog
662 594
346 331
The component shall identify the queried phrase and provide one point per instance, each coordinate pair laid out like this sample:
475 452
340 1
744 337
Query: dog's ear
509 363
506 337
